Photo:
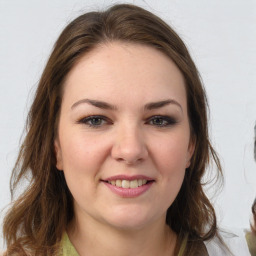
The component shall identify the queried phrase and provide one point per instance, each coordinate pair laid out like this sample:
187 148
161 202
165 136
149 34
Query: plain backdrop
221 36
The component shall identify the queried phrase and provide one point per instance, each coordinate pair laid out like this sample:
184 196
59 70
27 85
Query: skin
130 139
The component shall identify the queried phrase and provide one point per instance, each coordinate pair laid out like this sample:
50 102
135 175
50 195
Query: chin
130 218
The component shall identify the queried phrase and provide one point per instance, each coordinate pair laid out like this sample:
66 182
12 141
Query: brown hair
251 235
254 203
254 217
37 219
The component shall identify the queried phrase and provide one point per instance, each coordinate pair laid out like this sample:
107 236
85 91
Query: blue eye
94 121
161 121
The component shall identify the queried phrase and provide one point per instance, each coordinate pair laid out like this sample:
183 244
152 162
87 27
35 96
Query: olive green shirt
251 241
69 250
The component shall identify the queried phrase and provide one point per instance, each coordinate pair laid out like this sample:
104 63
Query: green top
67 247
251 241
69 250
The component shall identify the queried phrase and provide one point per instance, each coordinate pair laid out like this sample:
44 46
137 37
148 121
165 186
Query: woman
117 146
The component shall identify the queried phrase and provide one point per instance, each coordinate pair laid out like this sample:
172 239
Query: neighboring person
251 236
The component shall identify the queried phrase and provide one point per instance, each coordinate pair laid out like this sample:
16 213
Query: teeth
128 183
119 183
125 184
133 184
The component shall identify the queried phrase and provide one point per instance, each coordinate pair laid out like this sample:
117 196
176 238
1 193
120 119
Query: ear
58 154
190 152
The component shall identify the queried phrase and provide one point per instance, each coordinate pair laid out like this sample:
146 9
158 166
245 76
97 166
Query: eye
94 121
161 121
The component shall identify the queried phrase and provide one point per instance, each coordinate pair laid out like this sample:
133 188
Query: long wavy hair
251 235
37 219
254 203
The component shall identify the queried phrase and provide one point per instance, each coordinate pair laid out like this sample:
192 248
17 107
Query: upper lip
127 177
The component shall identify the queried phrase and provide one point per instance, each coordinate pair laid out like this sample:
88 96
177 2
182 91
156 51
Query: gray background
221 36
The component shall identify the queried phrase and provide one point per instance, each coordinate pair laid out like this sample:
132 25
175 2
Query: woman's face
123 136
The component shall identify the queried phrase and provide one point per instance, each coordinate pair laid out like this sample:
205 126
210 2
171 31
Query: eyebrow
160 104
95 103
105 105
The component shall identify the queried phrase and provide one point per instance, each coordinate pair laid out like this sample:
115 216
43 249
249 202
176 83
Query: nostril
120 159
129 162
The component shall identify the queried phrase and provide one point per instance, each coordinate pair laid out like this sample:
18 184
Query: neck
94 238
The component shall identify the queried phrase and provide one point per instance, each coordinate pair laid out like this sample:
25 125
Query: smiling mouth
129 183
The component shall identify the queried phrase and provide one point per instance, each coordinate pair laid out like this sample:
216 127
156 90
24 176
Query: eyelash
88 121
165 121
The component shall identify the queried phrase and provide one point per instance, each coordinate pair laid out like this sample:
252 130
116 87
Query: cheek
81 153
172 155
81 160
173 167
170 158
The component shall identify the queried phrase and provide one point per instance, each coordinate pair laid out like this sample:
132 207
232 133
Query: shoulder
234 240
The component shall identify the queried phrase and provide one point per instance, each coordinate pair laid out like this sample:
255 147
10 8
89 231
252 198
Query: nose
129 146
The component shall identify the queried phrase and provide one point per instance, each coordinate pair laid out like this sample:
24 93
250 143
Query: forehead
120 69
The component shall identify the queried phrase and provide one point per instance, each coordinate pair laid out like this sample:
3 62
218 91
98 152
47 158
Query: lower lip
129 192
